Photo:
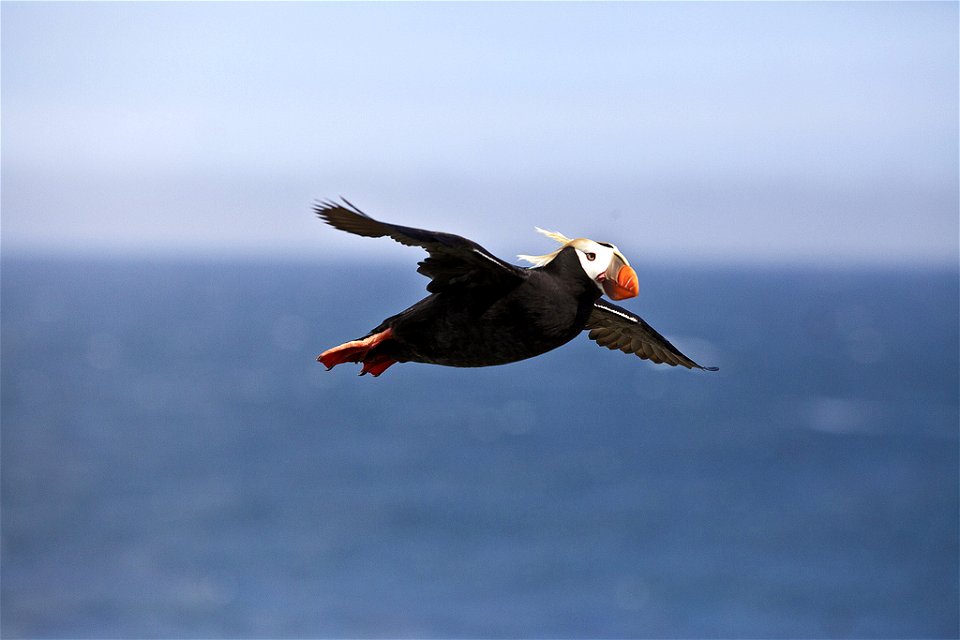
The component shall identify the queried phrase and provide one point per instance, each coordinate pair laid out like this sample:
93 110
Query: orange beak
625 285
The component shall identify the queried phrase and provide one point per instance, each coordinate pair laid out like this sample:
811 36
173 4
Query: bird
483 311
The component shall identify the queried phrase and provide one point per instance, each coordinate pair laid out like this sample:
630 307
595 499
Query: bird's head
601 261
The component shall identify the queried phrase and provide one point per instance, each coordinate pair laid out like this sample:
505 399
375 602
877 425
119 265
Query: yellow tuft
539 261
555 235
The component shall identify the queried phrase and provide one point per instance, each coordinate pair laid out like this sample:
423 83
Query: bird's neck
566 267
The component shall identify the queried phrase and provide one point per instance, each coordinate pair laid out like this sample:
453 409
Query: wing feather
616 328
453 261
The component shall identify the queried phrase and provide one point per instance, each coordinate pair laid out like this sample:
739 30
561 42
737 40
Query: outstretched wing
454 261
614 327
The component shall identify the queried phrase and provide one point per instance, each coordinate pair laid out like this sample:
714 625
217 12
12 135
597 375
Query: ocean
176 464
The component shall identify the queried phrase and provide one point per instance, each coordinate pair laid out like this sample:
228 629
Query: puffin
482 311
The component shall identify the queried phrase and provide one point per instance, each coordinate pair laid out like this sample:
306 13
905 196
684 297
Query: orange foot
356 351
377 365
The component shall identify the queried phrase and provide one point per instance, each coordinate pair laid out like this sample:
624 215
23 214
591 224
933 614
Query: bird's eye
591 256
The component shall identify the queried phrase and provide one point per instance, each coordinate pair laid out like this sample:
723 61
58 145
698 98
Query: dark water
175 464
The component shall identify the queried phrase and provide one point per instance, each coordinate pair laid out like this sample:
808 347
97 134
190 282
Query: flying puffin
483 311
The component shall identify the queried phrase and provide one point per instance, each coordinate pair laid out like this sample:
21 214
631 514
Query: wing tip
324 207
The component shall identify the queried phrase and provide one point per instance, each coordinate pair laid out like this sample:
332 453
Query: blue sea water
176 464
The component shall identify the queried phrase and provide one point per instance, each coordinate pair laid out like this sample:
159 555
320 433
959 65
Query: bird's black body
483 311
478 326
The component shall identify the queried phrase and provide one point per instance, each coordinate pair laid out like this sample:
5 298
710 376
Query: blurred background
176 464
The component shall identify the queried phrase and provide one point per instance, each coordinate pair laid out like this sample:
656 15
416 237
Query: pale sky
678 131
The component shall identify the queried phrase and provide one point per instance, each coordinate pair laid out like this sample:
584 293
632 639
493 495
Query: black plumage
483 311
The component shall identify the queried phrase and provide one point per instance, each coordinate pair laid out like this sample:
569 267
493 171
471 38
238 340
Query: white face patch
595 258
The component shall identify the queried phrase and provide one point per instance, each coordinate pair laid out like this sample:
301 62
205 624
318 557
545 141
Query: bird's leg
356 351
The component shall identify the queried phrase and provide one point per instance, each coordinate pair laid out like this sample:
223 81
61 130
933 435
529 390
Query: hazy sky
745 131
